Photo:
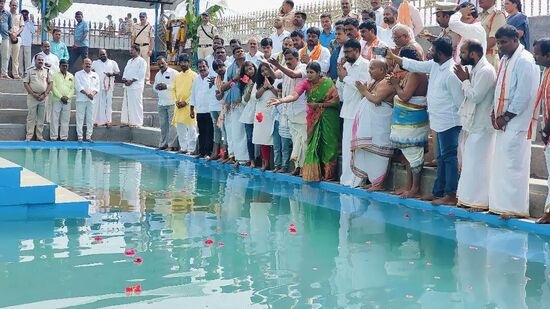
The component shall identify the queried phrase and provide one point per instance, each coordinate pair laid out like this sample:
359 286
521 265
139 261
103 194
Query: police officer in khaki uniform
38 84
143 35
443 12
207 32
492 20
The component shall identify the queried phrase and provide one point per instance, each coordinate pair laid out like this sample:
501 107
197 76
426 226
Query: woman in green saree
323 123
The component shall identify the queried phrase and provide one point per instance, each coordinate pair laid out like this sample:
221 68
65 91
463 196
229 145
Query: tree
193 22
53 8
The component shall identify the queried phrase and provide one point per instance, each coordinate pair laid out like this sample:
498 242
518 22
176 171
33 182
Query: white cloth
132 107
187 137
473 185
547 157
298 133
416 21
50 61
324 58
59 125
84 114
510 172
444 92
379 14
522 81
88 82
348 178
103 107
467 32
238 133
109 66
247 115
278 41
478 102
26 35
202 95
386 34
299 106
135 69
263 130
256 59
166 97
358 71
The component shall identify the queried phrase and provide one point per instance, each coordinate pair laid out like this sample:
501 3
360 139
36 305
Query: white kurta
263 120
103 108
132 104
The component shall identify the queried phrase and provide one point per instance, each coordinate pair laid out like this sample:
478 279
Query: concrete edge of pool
527 225
26 194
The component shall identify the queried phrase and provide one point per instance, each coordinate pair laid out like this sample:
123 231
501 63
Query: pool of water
346 251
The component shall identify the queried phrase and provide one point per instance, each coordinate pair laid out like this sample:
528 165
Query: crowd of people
361 87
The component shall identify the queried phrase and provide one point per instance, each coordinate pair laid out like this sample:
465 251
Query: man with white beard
134 82
106 69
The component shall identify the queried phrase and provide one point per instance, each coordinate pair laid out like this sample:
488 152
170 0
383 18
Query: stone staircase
13 104
22 191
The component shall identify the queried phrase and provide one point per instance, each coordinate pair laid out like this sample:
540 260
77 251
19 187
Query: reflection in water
356 253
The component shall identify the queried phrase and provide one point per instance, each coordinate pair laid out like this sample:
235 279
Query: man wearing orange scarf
314 51
518 78
541 52
370 40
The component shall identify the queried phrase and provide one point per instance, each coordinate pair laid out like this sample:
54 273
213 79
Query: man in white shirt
26 43
518 78
253 55
164 82
370 40
478 133
295 117
86 87
355 69
465 23
385 32
107 69
134 82
378 10
221 54
279 34
217 42
201 97
444 96
314 51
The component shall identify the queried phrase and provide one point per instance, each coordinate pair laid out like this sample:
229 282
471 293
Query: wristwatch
506 118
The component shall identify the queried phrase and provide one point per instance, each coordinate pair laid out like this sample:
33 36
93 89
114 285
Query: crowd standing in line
361 87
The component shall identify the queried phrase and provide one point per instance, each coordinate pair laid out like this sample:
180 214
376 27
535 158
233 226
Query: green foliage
194 21
53 8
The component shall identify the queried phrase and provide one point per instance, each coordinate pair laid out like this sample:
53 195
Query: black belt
144 44
206 45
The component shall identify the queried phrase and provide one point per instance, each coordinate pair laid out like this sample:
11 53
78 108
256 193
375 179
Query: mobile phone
382 51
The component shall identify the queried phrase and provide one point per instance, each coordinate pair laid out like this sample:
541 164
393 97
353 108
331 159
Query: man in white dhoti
292 74
541 52
370 144
515 95
133 79
478 133
87 88
106 69
355 69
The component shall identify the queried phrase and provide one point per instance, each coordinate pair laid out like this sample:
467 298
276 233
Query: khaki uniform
350 15
143 40
38 80
287 21
455 39
492 20
17 23
206 39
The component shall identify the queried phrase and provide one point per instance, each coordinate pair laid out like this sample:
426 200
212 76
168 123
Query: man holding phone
373 47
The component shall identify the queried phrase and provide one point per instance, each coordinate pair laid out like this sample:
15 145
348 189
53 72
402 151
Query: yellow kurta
182 92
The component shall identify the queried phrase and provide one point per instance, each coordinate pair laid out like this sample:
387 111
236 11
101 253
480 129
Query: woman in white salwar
370 144
263 118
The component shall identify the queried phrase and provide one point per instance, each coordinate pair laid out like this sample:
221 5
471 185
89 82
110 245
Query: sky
99 13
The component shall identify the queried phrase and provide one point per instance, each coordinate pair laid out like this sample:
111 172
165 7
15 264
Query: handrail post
44 37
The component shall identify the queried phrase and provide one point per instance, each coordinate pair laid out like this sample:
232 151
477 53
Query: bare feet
400 191
252 164
296 172
411 194
544 219
376 188
448 199
429 198
282 171
473 209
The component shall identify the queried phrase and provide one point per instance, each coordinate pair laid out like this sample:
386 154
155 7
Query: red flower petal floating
292 225
137 288
244 234
138 260
130 252
129 289
221 244
292 230
98 239
208 242
260 117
